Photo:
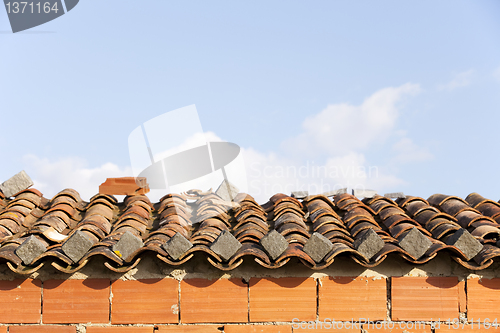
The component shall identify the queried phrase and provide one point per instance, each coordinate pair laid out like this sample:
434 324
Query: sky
385 95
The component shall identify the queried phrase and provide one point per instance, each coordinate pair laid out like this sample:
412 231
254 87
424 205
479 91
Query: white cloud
190 142
341 128
50 177
335 141
267 174
330 153
461 79
407 151
496 73
271 173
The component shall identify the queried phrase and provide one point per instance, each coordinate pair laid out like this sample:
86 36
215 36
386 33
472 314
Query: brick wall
261 305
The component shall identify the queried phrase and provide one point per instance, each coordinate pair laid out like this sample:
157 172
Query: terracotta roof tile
202 217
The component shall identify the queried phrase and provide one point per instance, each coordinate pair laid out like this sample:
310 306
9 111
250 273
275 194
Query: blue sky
394 96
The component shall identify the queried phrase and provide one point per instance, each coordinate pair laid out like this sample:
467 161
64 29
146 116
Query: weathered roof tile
228 232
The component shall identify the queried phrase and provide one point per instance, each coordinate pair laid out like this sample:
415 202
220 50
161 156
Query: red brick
124 186
424 298
403 327
214 301
483 299
145 302
282 299
257 329
120 329
349 298
76 301
189 329
3 329
42 329
21 301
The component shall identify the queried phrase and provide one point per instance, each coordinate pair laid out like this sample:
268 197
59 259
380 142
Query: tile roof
411 227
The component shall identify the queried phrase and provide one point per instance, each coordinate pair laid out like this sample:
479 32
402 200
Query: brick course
347 298
264 305
214 301
424 298
76 301
149 301
282 299
483 299
20 301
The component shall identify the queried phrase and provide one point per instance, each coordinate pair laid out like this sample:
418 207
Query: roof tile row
67 232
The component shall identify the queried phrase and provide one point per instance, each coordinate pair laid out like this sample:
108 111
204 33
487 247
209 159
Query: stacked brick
290 304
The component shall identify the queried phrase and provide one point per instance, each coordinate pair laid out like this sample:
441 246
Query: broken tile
226 245
364 193
227 190
53 235
395 195
274 244
177 246
30 249
318 246
369 244
124 186
127 245
335 192
300 194
77 246
17 183
415 243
